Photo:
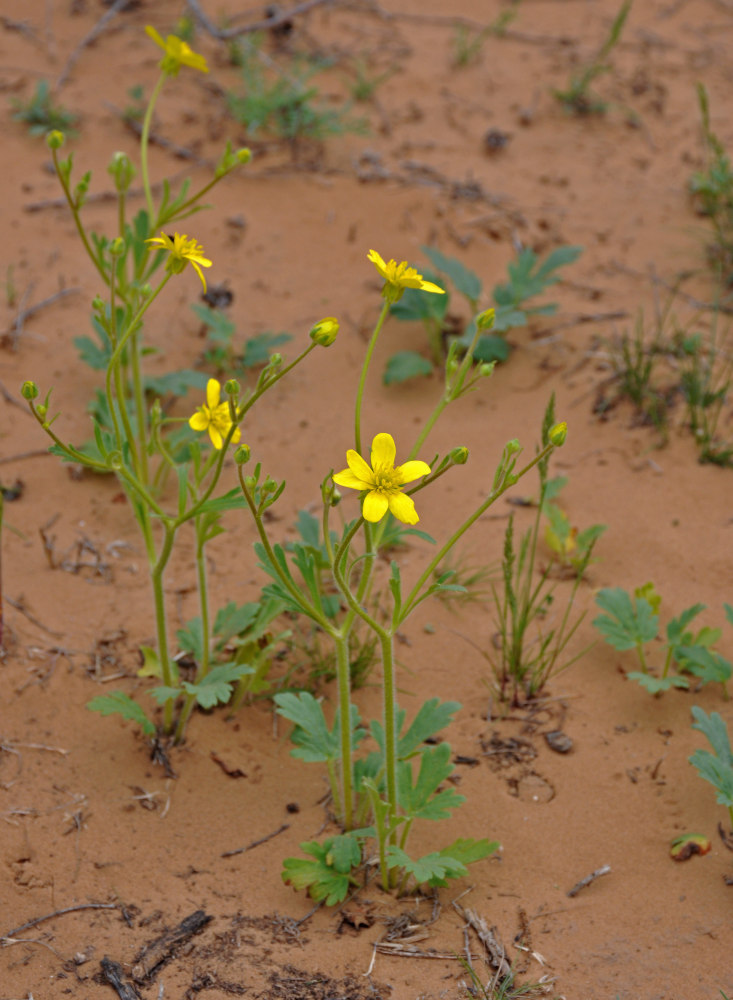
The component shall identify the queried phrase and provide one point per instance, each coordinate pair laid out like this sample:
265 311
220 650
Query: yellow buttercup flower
177 53
182 251
398 277
214 416
382 482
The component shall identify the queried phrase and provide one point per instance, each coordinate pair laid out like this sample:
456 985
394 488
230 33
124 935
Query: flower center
386 481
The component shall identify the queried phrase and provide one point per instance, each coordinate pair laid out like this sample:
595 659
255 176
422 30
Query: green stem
157 571
144 140
493 496
390 726
203 602
343 669
77 220
362 378
140 410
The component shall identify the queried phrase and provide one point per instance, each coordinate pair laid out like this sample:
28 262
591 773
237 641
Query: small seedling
469 42
578 98
570 547
365 84
633 622
715 767
41 115
712 189
531 653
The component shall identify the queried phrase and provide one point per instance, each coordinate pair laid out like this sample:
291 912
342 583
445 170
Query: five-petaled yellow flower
214 417
182 251
398 277
382 482
177 53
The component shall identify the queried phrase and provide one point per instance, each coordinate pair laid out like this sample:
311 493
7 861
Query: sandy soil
93 830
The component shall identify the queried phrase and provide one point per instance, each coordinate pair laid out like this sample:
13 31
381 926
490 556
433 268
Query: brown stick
57 913
112 972
97 30
256 843
604 870
223 34
160 950
12 333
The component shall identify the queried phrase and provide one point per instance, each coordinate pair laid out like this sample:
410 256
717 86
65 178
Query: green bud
232 387
55 139
325 331
486 369
459 456
117 247
156 412
146 290
558 433
334 497
452 366
275 360
512 447
98 303
114 460
269 485
29 390
122 170
485 319
250 482
243 155
41 410
241 455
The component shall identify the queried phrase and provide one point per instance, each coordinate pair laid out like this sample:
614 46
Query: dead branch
603 870
112 972
160 950
57 913
96 31
9 337
281 17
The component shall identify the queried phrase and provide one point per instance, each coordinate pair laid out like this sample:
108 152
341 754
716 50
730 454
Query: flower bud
485 319
241 456
232 387
334 497
117 247
114 460
250 482
558 433
325 331
512 447
243 155
122 170
269 485
486 369
55 139
275 360
459 456
41 410
29 390
98 303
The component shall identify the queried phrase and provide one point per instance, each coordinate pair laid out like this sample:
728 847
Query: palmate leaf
433 868
658 685
422 800
405 365
327 878
704 663
216 687
314 741
628 623
119 703
465 281
714 728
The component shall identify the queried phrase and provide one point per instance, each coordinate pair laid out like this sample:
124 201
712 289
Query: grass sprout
41 115
578 98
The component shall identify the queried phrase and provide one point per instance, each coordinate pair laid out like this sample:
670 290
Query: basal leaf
119 703
658 685
216 687
465 281
628 623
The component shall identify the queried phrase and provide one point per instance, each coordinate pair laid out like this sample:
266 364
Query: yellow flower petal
383 451
236 435
199 421
403 508
157 38
378 262
360 468
347 478
216 439
428 286
213 393
412 470
375 506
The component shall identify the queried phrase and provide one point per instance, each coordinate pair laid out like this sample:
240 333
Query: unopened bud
117 247
98 303
324 332
29 390
114 460
241 455
250 482
269 485
243 155
558 433
485 319
275 360
334 497
459 456
55 139
232 387
122 171
486 369
512 447
41 410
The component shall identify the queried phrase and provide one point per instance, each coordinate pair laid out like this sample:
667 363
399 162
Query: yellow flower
398 277
177 53
383 482
182 251
214 417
